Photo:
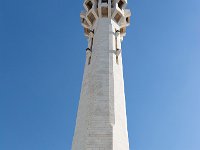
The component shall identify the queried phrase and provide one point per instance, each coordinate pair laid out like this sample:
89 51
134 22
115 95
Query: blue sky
42 54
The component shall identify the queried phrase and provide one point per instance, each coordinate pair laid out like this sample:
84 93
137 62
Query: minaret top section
112 9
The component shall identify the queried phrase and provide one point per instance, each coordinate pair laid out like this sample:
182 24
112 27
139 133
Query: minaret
101 119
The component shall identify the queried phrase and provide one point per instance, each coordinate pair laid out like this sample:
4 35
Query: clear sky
42 54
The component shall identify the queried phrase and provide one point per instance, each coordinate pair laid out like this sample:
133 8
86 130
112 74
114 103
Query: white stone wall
101 120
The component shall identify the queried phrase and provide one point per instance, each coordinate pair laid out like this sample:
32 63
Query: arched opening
89 5
121 4
104 1
128 19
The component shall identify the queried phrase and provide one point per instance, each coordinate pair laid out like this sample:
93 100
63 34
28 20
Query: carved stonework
113 9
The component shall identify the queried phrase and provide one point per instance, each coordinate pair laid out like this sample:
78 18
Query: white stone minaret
101 119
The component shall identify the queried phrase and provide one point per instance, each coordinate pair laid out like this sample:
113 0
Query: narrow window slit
97 3
91 44
117 60
89 60
112 3
89 55
92 39
116 43
116 46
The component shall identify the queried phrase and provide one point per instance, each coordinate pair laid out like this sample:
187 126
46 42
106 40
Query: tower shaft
101 119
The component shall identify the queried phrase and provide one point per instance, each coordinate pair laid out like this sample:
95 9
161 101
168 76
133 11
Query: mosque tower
101 119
